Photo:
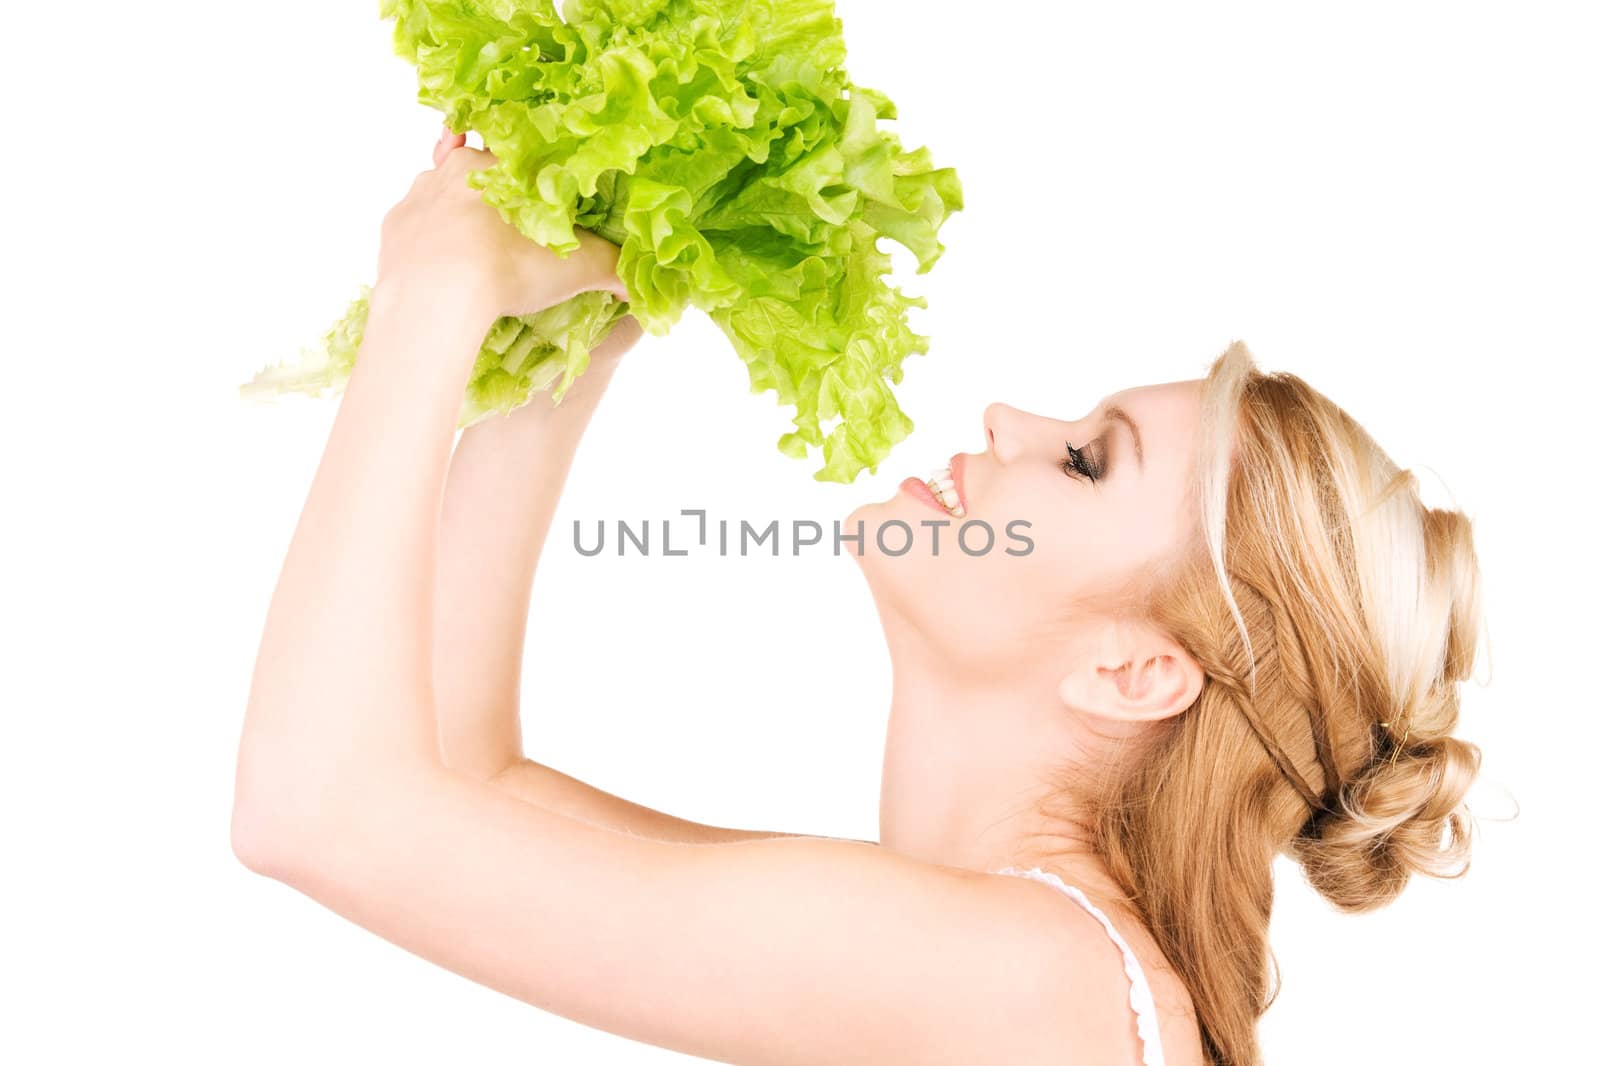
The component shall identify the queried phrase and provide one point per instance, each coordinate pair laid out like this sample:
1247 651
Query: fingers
447 143
598 266
464 158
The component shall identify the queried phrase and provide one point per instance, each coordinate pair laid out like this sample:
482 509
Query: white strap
1139 995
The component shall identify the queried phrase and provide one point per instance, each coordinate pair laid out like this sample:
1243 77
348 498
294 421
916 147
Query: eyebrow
1116 414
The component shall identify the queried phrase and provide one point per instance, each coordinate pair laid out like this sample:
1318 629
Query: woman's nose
999 426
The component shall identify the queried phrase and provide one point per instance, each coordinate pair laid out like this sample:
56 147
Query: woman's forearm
342 691
504 484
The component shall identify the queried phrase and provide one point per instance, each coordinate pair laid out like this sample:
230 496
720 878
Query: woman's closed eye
1080 464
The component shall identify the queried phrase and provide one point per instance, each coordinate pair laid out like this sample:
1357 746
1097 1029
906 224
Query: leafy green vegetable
722 146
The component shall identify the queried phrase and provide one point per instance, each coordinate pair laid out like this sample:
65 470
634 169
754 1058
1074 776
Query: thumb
596 269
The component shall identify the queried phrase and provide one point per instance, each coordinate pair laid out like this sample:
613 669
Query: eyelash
1077 464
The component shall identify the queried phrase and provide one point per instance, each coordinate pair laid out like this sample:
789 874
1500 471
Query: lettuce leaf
721 145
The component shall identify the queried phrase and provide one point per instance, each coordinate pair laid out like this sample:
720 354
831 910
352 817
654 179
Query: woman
1233 631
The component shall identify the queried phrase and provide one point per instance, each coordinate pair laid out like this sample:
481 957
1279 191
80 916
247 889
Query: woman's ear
1136 674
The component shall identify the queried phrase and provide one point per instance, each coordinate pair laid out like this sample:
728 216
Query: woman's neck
966 764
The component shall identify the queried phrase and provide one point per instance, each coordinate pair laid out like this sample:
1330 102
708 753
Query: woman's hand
443 242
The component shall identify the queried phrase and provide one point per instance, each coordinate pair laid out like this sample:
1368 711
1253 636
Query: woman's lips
919 488
940 488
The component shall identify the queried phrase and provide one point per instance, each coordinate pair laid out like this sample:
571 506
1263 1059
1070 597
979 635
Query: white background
1395 201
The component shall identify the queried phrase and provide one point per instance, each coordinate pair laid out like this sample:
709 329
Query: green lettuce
721 145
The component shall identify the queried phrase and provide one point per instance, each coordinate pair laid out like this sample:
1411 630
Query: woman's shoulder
1180 1029
1098 1014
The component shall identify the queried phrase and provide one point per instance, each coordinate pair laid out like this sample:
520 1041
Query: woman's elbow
251 841
257 833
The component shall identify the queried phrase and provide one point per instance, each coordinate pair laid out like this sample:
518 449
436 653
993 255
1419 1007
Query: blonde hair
1333 614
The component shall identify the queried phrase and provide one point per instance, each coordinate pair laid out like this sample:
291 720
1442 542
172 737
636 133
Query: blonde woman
1237 633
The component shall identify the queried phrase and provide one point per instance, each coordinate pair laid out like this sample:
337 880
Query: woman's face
986 587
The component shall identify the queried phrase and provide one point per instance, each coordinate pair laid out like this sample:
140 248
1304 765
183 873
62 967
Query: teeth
944 490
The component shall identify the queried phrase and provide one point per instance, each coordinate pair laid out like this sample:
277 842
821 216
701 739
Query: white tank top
1139 997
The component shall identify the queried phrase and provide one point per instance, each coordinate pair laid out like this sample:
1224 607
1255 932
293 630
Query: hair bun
1402 814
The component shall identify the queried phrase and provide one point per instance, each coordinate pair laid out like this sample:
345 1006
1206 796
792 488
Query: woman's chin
869 515
885 540
863 524
862 520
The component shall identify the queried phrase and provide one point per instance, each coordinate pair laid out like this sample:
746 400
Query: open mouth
943 486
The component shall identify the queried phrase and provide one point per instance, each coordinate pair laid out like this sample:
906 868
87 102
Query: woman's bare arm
505 480
731 953
558 792
768 953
